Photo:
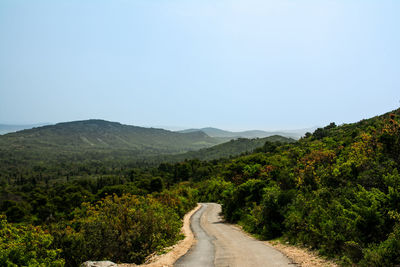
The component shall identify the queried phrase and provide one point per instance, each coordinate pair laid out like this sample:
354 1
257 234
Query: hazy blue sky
234 64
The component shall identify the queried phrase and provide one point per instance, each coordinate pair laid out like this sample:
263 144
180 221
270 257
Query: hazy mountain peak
219 133
101 134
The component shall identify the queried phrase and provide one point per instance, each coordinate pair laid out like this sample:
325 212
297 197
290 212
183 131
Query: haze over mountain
99 140
199 63
215 132
234 147
9 128
210 131
100 134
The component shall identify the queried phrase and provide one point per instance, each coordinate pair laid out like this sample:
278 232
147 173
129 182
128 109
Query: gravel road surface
222 245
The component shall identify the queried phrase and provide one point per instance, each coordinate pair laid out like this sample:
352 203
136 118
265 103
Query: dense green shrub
386 253
26 246
272 211
181 199
121 229
333 191
212 190
337 191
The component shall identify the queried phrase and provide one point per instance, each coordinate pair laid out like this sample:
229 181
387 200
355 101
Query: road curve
221 245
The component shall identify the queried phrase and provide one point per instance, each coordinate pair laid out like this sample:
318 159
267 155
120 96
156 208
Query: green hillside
101 145
97 139
99 134
232 148
336 191
80 144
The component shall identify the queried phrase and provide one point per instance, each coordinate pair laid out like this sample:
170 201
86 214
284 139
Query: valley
74 187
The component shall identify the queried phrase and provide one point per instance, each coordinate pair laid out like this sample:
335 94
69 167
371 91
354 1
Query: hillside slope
215 132
336 190
96 139
232 148
106 135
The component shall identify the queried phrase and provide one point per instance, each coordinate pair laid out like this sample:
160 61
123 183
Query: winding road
221 245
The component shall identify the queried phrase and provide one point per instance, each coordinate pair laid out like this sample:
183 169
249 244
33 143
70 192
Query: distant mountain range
210 131
105 135
99 140
215 132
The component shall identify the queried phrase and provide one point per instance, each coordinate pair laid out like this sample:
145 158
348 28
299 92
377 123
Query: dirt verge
301 256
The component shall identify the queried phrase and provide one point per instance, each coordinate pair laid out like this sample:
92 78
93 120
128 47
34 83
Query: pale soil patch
174 252
301 256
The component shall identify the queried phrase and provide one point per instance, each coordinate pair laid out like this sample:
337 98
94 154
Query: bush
26 246
120 229
273 210
386 253
212 190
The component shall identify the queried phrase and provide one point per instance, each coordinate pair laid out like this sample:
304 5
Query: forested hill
104 135
233 148
96 144
336 190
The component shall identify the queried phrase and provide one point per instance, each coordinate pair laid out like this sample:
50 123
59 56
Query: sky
231 64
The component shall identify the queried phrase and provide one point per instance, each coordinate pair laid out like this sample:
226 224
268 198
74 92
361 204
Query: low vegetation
336 190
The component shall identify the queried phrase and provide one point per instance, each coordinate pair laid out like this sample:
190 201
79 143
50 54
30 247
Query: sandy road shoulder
301 256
